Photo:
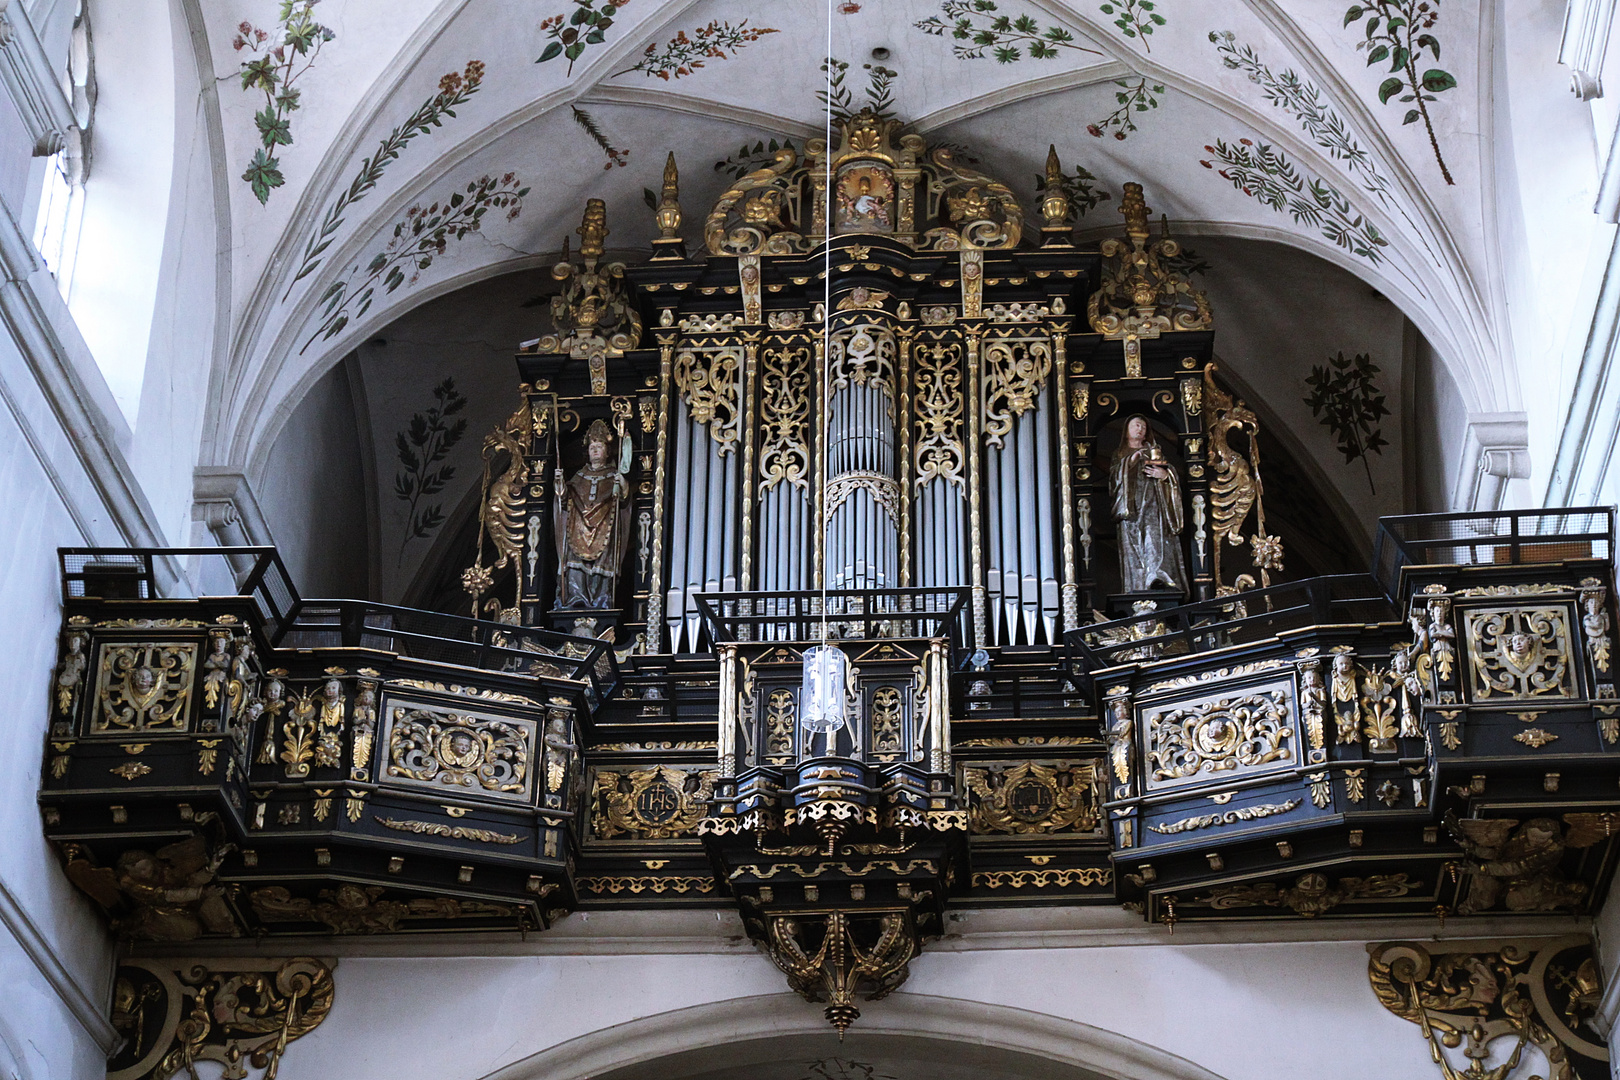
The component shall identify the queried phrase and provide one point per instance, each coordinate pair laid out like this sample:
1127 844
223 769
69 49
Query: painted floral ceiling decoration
379 155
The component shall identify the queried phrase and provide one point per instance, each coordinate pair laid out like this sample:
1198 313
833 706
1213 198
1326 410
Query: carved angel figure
1147 505
169 896
1518 864
593 523
1121 739
1313 703
1442 639
1403 672
70 673
217 664
1345 706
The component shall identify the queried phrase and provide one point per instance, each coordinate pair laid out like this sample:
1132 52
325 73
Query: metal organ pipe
1028 559
675 601
1050 593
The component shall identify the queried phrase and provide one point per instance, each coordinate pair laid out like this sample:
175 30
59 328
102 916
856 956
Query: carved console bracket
1498 1001
241 1013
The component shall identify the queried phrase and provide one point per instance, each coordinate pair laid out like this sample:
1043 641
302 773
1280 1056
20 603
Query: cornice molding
35 88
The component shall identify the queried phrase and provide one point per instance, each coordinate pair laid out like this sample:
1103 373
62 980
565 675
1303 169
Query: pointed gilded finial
668 215
1135 209
1055 205
593 231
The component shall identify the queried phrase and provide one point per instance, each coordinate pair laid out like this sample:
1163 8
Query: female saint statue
593 522
1147 505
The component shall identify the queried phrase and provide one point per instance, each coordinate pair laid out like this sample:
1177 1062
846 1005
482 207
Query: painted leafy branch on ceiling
421 449
1265 174
1316 116
1399 31
571 33
421 235
1135 18
1346 400
839 99
685 53
454 89
980 28
588 124
273 62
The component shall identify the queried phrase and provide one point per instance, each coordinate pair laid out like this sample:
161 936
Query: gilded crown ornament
1141 296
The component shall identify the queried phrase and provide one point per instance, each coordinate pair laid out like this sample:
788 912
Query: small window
61 203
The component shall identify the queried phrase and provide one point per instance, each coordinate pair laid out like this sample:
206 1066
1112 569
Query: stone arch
741 1031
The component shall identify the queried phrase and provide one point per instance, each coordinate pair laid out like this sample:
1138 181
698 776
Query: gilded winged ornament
1516 863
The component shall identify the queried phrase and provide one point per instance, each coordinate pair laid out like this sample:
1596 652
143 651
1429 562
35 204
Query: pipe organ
914 398
878 558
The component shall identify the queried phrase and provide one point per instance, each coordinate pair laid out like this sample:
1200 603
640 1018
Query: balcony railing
1505 538
1237 619
850 614
292 622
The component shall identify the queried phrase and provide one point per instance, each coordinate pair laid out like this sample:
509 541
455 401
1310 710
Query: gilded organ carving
143 688
453 751
1031 797
1220 735
1519 652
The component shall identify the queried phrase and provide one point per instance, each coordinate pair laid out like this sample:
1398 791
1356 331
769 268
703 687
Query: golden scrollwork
1226 817
1311 894
937 377
1031 797
707 378
1044 879
888 713
635 886
502 511
234 1013
864 354
143 687
752 215
884 490
1464 996
1519 652
1221 735
784 451
855 952
1015 370
650 804
454 832
353 909
781 721
460 750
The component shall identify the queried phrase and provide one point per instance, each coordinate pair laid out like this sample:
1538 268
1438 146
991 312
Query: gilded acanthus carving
937 377
450 750
784 452
1465 996
1225 817
1517 864
352 909
708 377
236 1013
1311 894
650 804
143 687
1221 735
1015 369
862 952
1519 652
1031 797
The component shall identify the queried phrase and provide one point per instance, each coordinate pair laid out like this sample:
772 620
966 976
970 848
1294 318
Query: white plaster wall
1438 429
1220 998
126 198
313 496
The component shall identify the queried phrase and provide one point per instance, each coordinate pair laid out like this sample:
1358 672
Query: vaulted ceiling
1257 119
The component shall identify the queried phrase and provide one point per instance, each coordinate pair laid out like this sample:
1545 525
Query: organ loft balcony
891 556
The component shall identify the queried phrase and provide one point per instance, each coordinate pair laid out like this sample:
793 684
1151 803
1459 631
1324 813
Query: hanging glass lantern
822 699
